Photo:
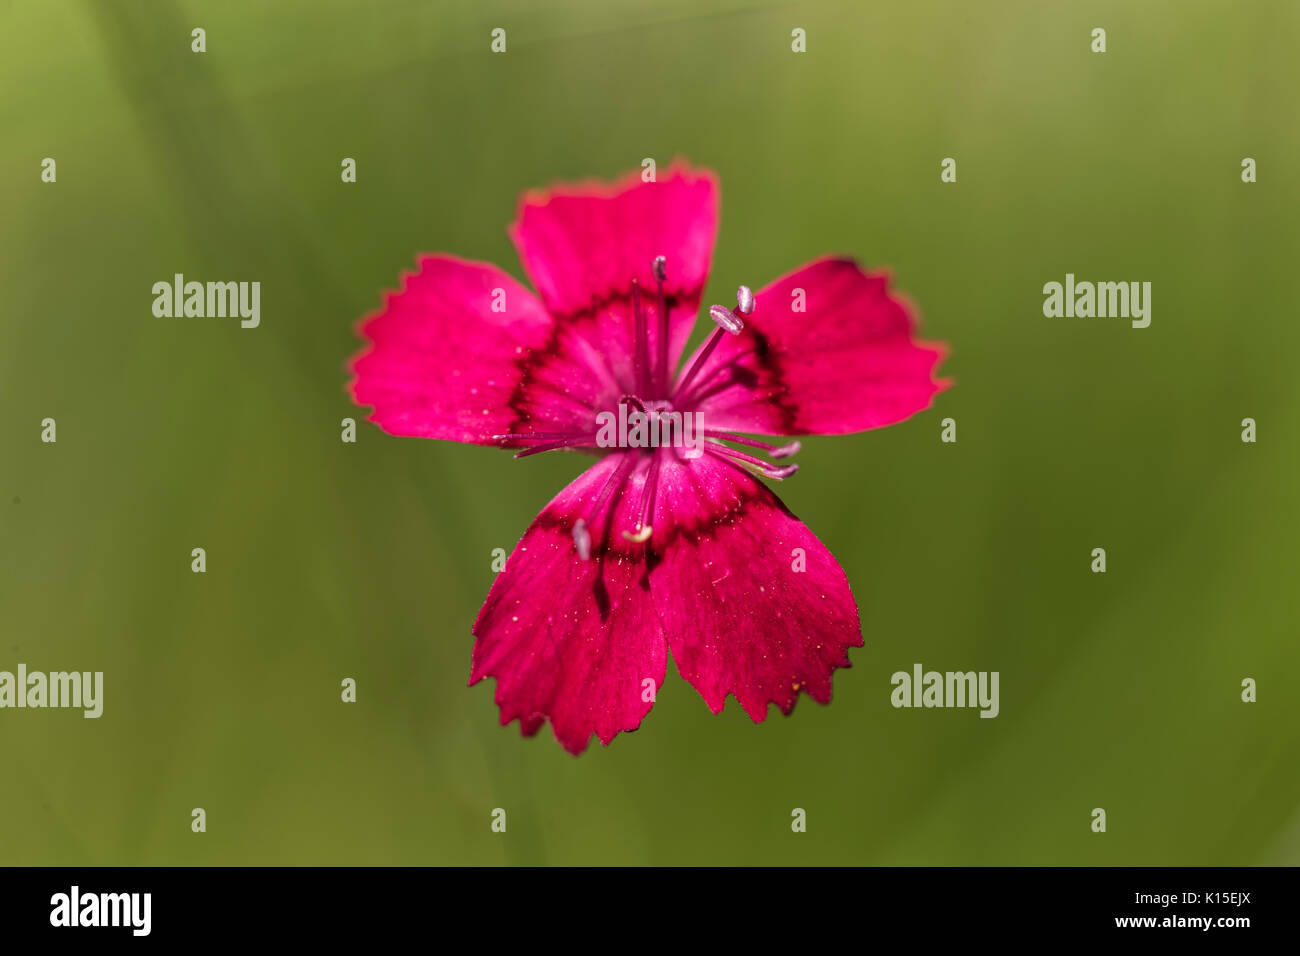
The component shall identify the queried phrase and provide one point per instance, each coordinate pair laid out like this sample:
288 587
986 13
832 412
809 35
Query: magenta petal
442 362
740 616
568 640
848 363
583 245
586 367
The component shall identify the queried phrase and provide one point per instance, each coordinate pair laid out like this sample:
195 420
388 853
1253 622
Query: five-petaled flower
648 549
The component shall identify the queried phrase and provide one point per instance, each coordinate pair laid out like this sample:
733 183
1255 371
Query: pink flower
649 549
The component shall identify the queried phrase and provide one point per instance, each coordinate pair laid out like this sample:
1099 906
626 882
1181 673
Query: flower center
641 424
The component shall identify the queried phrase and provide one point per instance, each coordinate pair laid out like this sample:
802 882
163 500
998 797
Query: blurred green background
328 560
